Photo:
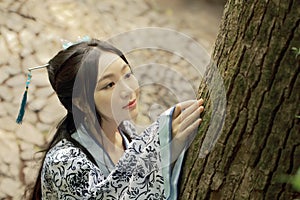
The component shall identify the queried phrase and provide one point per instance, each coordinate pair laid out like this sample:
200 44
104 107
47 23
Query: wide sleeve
143 172
171 162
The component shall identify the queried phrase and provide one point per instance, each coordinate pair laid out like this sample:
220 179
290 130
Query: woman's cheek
103 101
134 84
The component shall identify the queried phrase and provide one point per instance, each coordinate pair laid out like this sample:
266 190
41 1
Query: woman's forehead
107 58
109 62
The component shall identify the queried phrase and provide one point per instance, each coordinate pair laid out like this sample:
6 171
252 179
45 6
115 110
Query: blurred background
31 32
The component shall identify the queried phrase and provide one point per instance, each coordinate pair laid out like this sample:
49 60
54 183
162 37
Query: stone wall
31 33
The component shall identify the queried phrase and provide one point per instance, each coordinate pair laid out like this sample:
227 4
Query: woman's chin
133 116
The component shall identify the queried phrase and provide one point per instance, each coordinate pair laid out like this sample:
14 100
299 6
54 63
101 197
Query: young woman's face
116 93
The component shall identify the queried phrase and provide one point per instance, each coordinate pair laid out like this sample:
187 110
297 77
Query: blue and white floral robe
143 172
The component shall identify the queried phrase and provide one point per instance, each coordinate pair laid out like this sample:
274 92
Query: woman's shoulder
67 172
64 151
129 128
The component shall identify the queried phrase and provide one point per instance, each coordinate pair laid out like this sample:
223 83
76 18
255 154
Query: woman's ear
88 111
79 104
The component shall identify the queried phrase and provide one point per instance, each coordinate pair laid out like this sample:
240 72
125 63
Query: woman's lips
130 105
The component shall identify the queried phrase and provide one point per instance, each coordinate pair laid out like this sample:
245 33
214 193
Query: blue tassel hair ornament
66 44
24 99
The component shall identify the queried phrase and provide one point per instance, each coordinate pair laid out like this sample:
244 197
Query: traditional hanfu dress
143 172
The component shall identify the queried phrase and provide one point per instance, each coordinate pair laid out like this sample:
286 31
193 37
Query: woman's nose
125 90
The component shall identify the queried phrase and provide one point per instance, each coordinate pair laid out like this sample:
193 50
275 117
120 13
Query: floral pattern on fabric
68 174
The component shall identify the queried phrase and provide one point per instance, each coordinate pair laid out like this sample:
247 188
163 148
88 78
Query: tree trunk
260 141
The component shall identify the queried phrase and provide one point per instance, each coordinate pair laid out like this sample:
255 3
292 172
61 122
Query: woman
96 152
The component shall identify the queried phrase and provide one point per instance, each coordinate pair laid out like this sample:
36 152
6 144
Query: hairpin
24 99
66 44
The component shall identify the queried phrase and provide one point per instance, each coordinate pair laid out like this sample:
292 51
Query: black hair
67 73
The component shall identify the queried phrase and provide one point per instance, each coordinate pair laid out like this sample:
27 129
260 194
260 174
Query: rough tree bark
260 140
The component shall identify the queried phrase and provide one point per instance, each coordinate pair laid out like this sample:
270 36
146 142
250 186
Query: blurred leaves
296 51
294 180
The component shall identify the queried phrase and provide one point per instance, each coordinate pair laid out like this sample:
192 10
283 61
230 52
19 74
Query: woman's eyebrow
111 74
106 76
124 67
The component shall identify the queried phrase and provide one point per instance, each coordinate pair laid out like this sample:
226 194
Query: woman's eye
127 75
110 85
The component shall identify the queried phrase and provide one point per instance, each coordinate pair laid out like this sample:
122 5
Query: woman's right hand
186 119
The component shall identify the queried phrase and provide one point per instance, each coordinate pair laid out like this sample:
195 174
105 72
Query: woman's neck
112 134
109 128
112 141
